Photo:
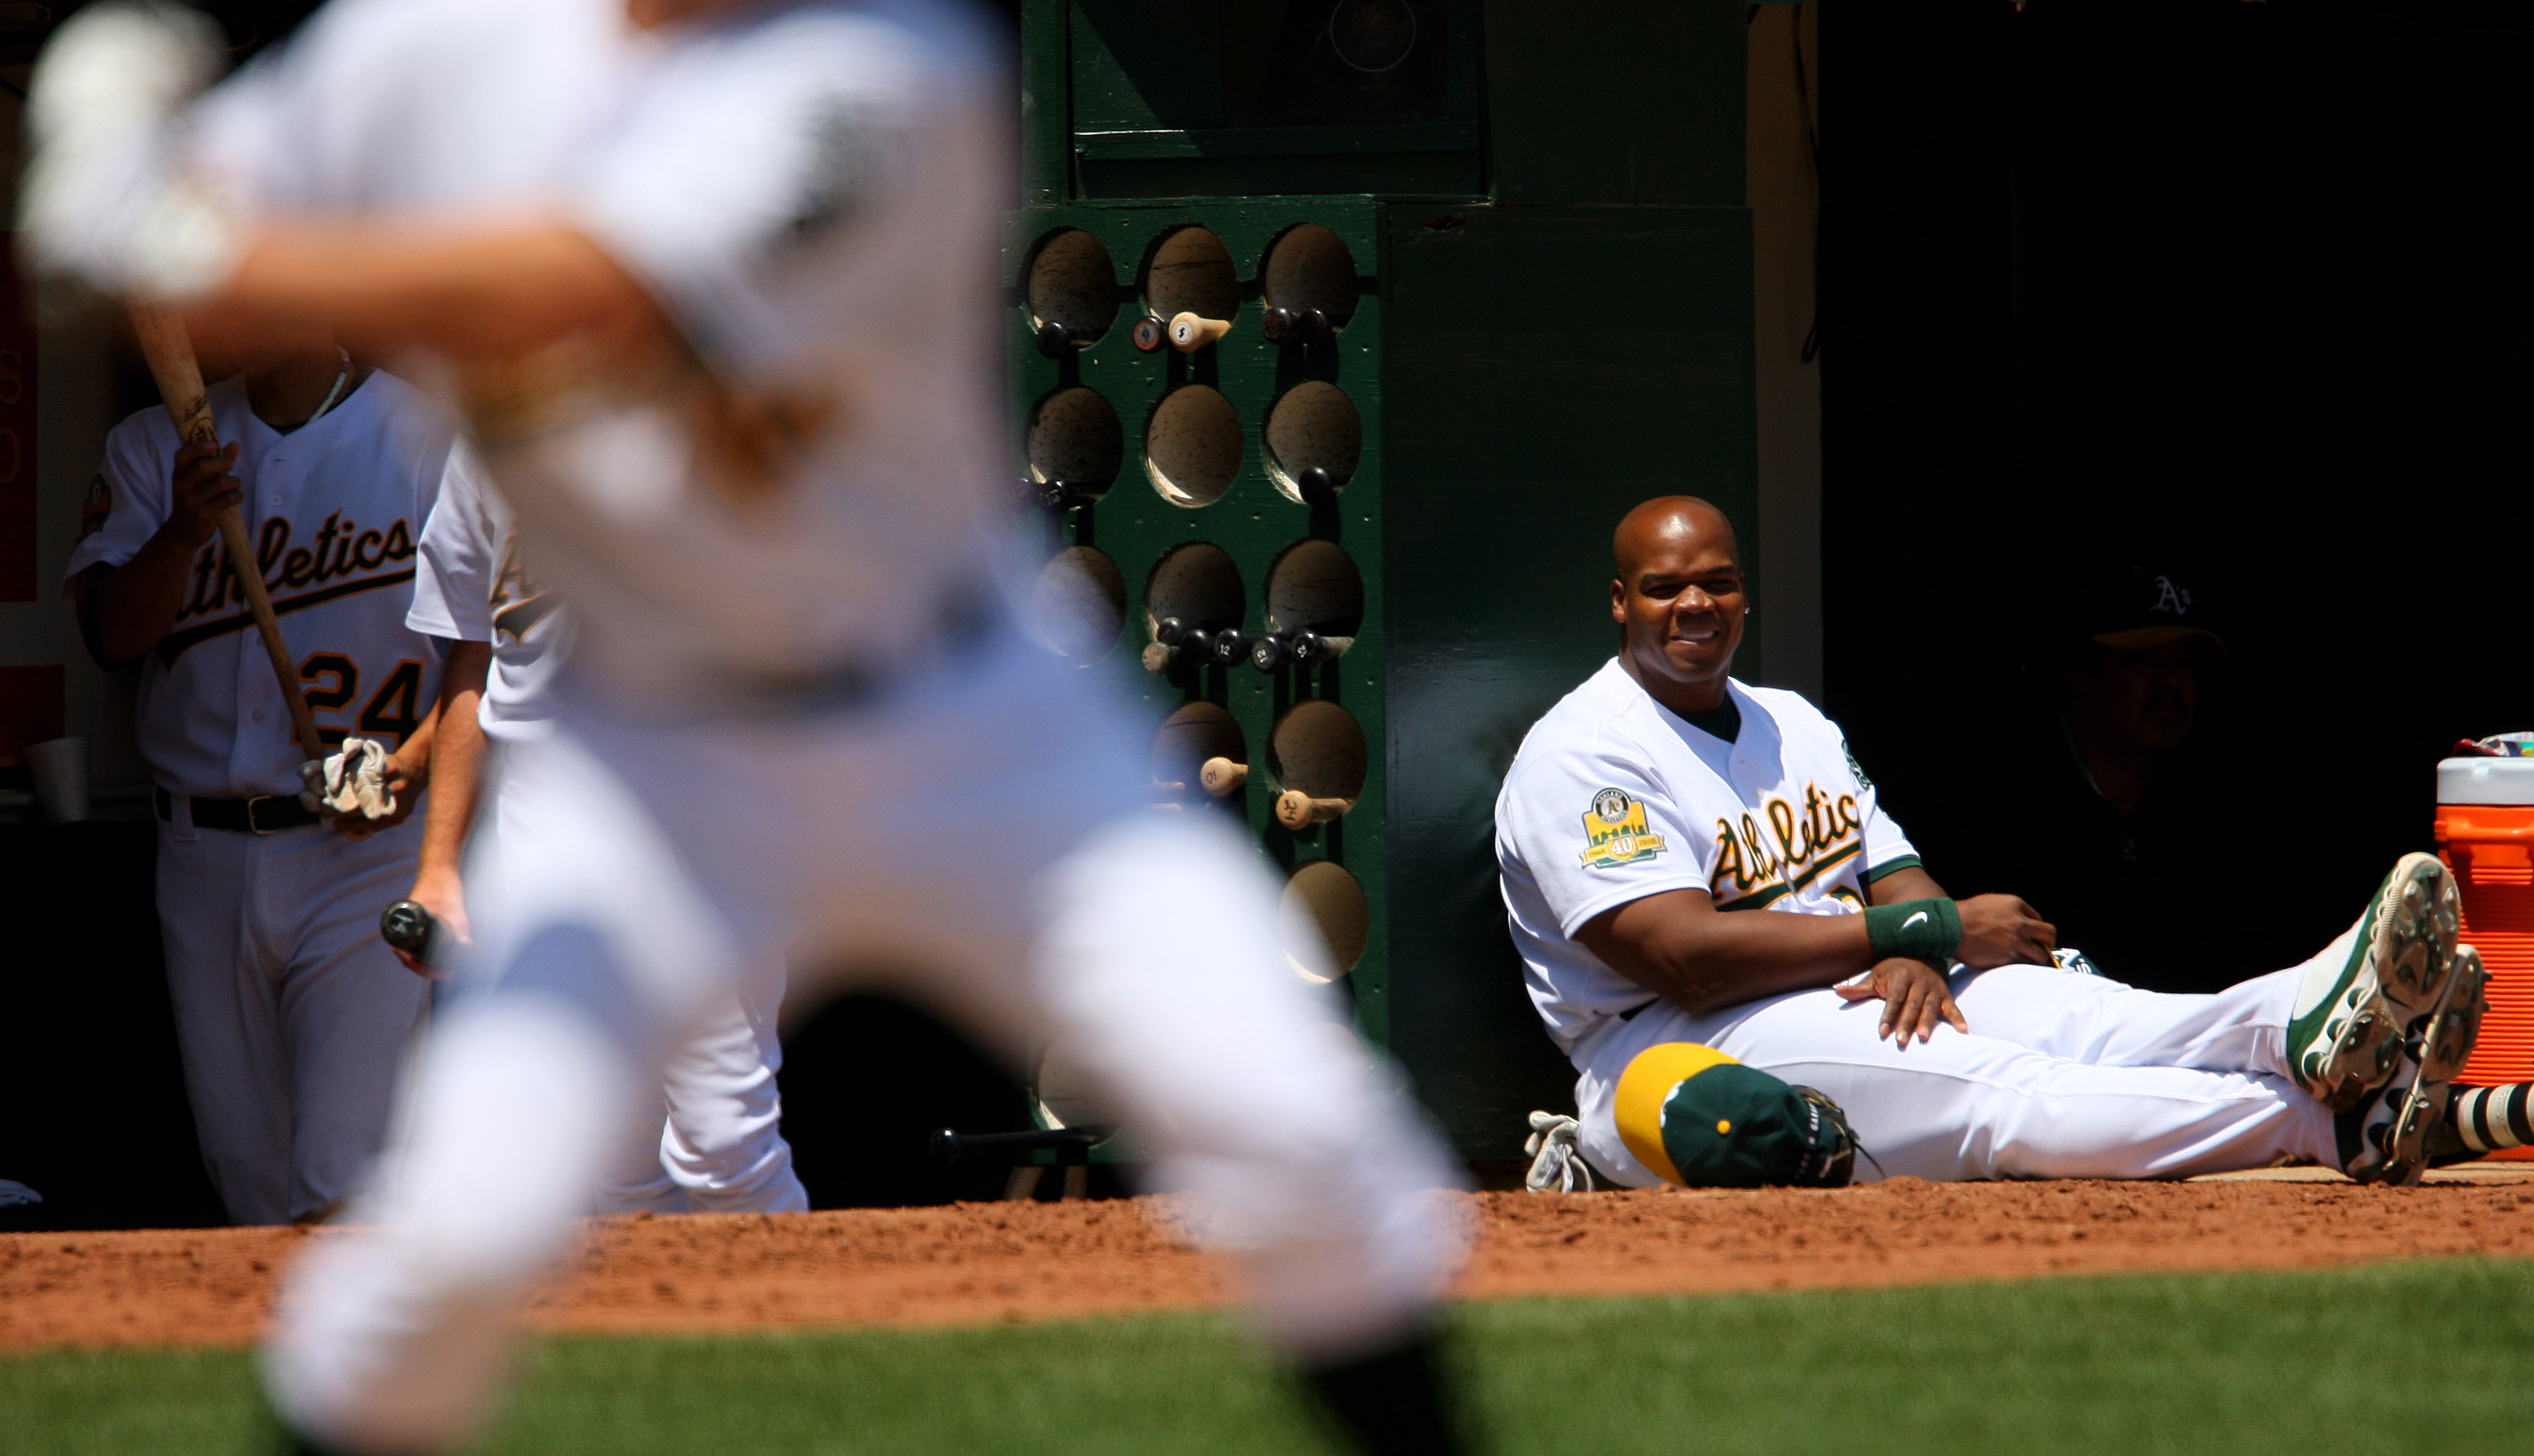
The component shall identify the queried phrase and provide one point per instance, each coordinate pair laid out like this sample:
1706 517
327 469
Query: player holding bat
715 281
290 1015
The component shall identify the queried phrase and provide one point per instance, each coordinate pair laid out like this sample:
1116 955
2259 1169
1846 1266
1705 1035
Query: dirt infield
987 1263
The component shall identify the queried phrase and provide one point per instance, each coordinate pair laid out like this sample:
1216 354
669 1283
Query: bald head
1666 520
1677 593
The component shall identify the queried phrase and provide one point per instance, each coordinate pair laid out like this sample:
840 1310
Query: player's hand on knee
1916 998
202 488
2002 930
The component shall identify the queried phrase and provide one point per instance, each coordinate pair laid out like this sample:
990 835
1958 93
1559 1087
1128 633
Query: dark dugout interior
2233 288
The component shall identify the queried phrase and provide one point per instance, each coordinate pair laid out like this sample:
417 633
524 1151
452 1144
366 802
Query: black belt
265 813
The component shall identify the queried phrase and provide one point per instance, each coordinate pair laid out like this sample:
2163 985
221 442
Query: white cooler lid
2486 781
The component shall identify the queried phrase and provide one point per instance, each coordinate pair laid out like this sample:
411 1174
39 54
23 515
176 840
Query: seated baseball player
1691 862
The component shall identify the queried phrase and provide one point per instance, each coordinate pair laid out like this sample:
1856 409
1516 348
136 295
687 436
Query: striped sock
2491 1118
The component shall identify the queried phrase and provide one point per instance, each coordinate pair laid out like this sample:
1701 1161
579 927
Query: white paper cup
59 767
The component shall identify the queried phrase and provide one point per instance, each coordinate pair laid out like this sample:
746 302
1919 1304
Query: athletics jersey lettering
1752 866
334 561
1615 798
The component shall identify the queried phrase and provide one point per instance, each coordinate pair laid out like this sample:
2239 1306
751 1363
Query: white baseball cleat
2354 1011
2387 1137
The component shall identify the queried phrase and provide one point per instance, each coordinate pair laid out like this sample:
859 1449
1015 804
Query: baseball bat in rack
1190 333
1220 776
1295 809
164 343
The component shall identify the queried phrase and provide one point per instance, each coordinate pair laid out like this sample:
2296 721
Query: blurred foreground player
716 284
721 1147
1692 863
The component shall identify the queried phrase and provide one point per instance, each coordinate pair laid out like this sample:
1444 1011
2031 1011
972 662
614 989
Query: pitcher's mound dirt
982 1263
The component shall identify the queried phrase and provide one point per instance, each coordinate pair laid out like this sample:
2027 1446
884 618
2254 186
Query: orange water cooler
2486 836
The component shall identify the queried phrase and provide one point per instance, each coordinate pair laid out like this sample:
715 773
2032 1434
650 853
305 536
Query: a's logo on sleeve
95 507
1615 833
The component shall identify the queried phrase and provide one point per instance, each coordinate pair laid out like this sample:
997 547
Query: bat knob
1307 647
1296 810
1169 632
408 927
1064 496
1317 485
1220 776
1190 333
1267 652
1312 326
1054 339
1229 646
1148 333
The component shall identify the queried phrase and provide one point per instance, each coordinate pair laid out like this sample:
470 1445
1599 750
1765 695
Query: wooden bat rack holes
1192 446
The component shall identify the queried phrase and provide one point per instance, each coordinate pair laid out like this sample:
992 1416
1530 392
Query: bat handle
1222 777
1298 810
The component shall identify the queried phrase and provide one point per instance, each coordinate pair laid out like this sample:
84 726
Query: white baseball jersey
1614 797
841 170
335 508
473 585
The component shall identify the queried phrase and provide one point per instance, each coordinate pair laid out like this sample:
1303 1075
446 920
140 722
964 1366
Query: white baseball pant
721 1147
2061 1075
978 835
292 1014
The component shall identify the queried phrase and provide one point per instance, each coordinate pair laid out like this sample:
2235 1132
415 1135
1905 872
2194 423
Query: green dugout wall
1487 276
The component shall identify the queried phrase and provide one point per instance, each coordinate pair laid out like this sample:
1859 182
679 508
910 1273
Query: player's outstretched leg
1160 956
391 1337
2390 1135
593 957
2354 1011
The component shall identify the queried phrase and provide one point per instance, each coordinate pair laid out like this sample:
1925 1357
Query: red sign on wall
17 433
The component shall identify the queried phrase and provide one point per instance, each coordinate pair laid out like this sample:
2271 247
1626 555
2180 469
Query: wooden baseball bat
1295 809
1190 333
1222 777
163 343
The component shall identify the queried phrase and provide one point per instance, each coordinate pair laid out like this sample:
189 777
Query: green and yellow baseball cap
1697 1117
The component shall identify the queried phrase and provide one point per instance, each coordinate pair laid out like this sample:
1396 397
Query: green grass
2425 1356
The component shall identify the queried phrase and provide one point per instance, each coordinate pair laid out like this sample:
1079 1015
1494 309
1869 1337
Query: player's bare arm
125 611
1677 945
487 290
438 882
1997 929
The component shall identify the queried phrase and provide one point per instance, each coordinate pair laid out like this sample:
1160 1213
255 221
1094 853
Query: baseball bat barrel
1190 333
1295 809
1220 776
170 352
